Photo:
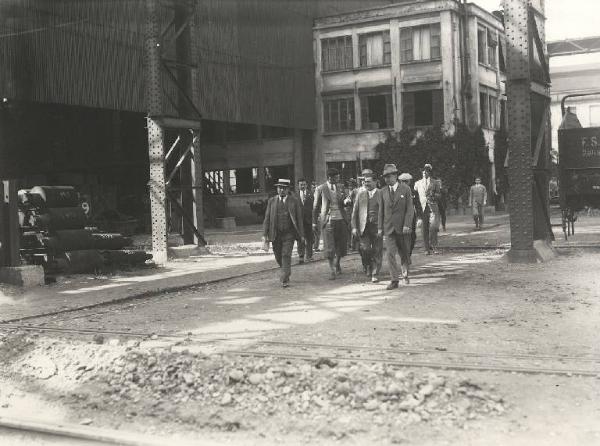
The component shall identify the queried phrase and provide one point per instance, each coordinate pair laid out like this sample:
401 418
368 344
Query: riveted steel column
197 174
155 134
518 91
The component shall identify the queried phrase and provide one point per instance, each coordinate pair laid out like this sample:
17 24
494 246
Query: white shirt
282 199
394 187
331 186
371 192
302 196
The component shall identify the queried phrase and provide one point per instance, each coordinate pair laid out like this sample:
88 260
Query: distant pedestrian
429 194
306 198
282 226
365 215
329 207
395 224
406 178
443 204
351 192
477 201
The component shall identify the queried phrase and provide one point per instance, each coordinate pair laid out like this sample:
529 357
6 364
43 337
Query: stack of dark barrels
56 233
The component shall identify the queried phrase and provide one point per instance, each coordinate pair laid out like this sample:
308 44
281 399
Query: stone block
184 251
26 276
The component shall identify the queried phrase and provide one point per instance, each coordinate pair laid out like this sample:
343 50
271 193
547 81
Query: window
594 115
338 114
336 53
484 117
488 111
243 181
501 61
214 182
376 111
492 44
274 173
423 108
375 49
481 45
420 43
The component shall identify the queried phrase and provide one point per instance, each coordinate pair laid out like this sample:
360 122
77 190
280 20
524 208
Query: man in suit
396 213
406 178
282 226
477 201
306 198
365 214
430 192
329 208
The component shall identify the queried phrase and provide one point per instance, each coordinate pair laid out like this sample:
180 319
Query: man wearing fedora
430 192
282 226
365 214
329 208
396 213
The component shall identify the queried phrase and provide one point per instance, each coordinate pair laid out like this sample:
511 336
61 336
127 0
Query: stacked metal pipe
57 234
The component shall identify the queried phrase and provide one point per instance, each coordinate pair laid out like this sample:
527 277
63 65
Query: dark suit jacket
323 198
397 210
361 207
270 222
307 207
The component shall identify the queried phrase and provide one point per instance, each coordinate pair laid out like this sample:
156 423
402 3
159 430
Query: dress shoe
310 259
393 284
285 284
374 279
338 270
405 280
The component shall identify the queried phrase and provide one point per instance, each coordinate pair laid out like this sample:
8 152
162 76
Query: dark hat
331 172
389 169
283 182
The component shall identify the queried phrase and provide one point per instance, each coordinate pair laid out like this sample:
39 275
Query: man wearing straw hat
282 226
430 192
329 213
395 224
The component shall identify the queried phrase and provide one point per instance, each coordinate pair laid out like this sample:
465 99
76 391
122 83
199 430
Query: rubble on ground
276 387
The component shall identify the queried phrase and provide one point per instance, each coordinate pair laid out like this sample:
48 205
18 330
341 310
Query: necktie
302 196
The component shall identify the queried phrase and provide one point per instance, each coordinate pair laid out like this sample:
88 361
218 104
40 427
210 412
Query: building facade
575 69
408 65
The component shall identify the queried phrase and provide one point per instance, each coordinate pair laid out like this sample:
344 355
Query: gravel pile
269 386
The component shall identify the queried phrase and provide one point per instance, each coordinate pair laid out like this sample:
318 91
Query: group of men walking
388 216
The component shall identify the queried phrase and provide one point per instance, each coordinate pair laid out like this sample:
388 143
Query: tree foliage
456 158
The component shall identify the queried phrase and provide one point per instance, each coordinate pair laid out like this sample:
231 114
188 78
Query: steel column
524 203
155 134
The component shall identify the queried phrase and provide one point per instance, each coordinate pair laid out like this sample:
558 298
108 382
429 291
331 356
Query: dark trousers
283 245
398 244
371 248
335 239
430 227
442 207
305 249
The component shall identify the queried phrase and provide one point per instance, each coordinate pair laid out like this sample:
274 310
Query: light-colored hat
405 177
367 172
389 169
428 167
283 182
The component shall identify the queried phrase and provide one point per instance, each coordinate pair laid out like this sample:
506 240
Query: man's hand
380 233
355 232
406 230
419 223
314 226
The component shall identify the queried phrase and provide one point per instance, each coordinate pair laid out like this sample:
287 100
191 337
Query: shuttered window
336 53
338 115
423 108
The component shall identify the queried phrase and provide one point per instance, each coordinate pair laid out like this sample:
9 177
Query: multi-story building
409 65
575 69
